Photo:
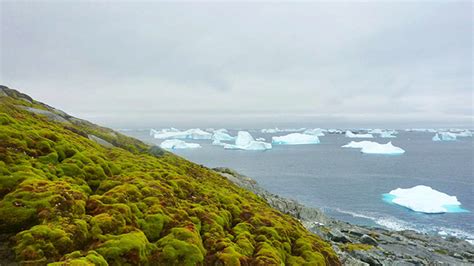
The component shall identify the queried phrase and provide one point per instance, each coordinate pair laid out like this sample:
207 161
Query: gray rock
365 239
336 236
100 141
50 115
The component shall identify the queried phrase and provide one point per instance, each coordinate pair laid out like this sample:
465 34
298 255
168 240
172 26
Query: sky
139 64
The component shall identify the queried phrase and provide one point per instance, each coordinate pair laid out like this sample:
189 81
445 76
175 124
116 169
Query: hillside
74 193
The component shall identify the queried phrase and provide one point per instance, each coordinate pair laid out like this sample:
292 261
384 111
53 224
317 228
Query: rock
100 141
337 236
50 115
365 257
365 239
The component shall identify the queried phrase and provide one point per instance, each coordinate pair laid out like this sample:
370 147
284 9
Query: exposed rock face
359 245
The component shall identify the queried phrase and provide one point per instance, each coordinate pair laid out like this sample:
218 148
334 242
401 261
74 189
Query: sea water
349 185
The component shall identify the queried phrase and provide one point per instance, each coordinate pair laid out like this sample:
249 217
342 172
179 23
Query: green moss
152 225
181 247
132 248
76 258
5 119
42 242
68 200
356 246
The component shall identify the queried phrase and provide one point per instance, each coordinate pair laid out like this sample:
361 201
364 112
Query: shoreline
364 245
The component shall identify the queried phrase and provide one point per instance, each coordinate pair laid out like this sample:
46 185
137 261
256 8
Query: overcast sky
364 62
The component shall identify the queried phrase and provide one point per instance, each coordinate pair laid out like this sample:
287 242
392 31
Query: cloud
398 59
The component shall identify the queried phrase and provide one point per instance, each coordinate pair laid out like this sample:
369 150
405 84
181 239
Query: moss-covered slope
73 193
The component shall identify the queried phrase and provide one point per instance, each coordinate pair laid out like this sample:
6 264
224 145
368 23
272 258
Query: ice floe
245 141
173 144
295 139
370 147
349 134
319 132
424 199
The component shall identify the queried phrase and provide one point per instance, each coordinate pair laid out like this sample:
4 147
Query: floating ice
178 144
370 147
429 130
334 131
277 130
222 136
464 133
387 134
424 199
245 141
319 132
444 136
260 139
173 133
296 139
349 134
376 131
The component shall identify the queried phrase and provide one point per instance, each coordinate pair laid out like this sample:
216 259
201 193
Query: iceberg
387 134
173 133
370 147
424 199
376 131
296 139
349 134
260 139
277 130
334 131
464 133
444 136
319 132
222 136
173 144
245 141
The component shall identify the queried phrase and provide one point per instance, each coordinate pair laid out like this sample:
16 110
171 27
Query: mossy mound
67 200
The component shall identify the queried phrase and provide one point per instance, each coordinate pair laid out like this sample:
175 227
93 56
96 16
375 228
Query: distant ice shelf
424 199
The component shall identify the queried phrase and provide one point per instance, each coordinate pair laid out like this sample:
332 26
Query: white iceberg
349 134
444 136
172 133
334 131
387 134
370 147
277 130
424 199
296 139
429 130
376 131
173 144
319 132
260 139
222 136
464 133
245 141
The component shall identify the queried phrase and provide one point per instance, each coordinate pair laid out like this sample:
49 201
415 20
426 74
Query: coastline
361 245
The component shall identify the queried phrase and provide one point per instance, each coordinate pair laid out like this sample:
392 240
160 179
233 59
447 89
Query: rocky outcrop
359 245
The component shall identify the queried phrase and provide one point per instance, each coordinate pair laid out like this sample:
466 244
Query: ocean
349 185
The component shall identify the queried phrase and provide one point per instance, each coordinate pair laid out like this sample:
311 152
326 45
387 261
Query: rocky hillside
74 193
